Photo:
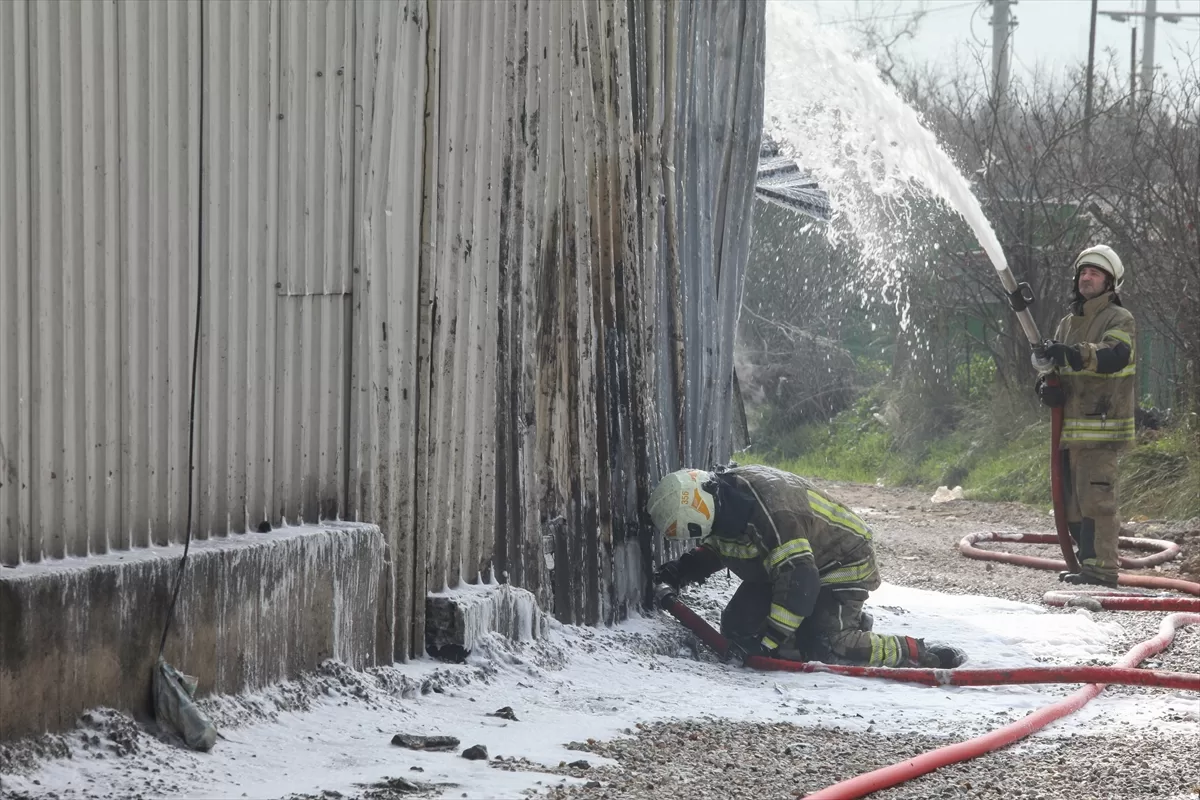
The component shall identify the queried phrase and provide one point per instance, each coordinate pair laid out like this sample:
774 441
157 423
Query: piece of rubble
395 786
417 742
475 753
945 494
1084 601
504 713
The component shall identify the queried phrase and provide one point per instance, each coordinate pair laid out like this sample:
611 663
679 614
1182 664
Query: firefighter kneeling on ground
806 564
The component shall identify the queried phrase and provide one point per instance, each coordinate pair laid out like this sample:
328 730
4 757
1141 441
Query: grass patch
1161 478
1017 471
1004 459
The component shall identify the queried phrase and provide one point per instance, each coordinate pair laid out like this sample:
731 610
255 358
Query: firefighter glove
1065 355
1051 395
746 648
669 573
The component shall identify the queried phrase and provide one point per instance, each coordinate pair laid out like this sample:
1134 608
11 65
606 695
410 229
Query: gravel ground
758 762
917 546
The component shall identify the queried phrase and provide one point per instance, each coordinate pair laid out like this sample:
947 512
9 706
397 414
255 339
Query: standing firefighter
806 564
1093 355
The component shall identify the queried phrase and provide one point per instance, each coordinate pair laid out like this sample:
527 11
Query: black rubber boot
938 656
947 655
1087 539
1081 532
1086 578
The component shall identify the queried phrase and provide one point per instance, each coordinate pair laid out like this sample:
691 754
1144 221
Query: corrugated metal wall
468 270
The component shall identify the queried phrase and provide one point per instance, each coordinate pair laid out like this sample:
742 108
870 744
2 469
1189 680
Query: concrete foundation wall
253 610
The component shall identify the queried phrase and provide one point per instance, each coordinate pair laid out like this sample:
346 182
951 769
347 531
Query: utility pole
1087 100
1151 14
1001 24
1148 49
1133 68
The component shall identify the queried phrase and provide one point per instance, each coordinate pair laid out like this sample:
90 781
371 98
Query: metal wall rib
19 540
237 464
158 117
316 155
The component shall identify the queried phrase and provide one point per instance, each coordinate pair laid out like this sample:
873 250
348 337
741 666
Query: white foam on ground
610 681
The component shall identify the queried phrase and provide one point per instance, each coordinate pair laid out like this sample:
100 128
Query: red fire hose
1001 737
1123 601
1164 551
938 677
1056 486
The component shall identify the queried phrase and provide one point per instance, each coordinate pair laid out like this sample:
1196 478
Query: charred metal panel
634 133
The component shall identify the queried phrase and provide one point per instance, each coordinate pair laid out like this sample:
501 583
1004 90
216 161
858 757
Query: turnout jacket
1100 397
775 527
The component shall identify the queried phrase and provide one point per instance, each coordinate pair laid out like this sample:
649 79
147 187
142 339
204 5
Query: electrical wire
975 36
902 15
191 486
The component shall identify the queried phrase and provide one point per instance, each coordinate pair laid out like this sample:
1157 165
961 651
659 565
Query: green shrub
850 447
974 380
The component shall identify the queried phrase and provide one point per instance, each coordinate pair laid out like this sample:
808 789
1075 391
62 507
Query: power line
975 36
902 15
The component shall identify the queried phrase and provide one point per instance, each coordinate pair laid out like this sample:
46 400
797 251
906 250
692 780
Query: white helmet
1103 258
680 507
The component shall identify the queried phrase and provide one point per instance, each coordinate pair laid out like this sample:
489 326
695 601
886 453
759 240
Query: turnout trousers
1090 489
838 631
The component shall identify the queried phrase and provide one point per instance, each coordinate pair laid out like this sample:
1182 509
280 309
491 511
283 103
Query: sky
600 682
1053 33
